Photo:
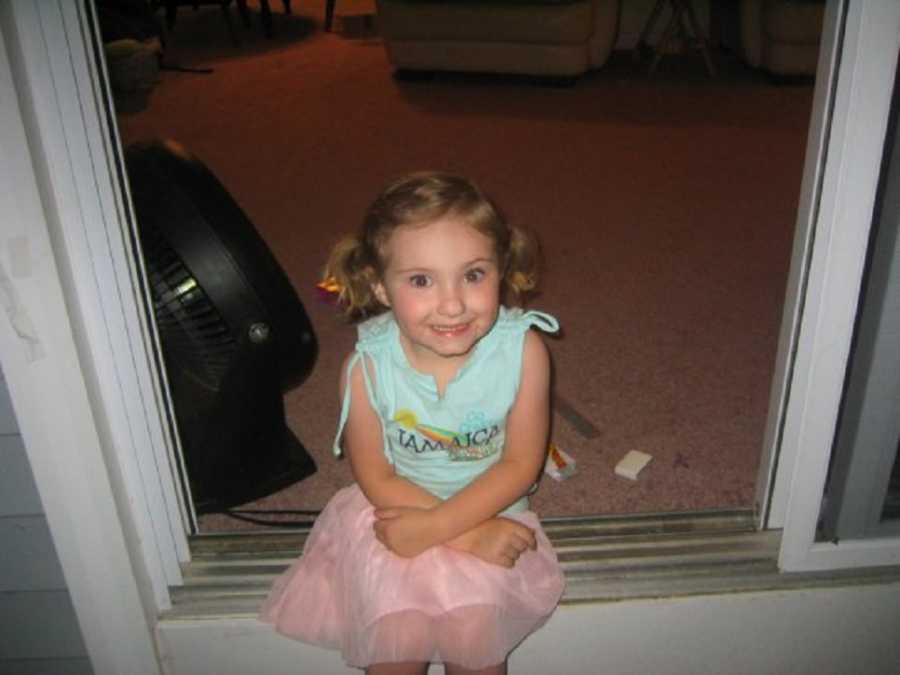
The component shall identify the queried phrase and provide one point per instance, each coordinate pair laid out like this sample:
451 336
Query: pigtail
352 271
523 263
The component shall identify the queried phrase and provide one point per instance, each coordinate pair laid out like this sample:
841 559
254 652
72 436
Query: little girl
432 555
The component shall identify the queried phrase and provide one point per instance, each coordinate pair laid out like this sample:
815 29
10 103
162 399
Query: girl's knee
475 627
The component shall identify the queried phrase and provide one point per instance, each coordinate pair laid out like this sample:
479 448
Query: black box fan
234 334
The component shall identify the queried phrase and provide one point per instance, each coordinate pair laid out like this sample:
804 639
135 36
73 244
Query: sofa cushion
493 2
793 22
508 21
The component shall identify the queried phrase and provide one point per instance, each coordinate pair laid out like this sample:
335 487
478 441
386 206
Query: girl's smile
451 331
442 281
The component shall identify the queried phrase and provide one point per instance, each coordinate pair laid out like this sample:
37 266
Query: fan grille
196 335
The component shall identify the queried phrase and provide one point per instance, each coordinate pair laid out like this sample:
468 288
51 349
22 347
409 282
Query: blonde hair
357 261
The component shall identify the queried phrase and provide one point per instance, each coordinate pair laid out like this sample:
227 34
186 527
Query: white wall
38 629
820 632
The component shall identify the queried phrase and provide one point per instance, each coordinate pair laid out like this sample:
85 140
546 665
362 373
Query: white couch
533 37
782 36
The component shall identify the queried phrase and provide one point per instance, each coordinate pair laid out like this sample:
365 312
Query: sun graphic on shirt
406 418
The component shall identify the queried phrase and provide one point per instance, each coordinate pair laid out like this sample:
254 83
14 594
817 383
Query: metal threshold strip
606 559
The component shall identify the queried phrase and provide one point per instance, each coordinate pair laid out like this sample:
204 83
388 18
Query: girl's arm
363 442
410 531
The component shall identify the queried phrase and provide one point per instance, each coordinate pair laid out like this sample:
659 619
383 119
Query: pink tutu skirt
348 592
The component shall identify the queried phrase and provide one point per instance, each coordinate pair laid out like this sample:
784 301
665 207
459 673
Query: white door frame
853 150
113 510
771 493
73 433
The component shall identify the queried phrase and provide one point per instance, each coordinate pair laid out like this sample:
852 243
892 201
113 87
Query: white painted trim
825 631
854 153
79 165
49 388
776 463
134 342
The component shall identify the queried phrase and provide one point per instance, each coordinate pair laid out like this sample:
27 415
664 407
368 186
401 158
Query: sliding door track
606 559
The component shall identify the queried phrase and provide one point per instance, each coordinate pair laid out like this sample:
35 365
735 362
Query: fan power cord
249 516
174 67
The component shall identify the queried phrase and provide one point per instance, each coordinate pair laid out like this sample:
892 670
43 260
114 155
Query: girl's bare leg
453 669
403 668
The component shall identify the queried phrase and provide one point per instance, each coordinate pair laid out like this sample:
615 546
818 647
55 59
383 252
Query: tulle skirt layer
348 592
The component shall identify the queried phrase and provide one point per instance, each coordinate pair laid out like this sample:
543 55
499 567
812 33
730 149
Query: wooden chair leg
244 12
700 37
171 14
226 12
329 14
669 35
265 12
648 27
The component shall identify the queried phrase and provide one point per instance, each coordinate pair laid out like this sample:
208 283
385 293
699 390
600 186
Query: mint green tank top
442 443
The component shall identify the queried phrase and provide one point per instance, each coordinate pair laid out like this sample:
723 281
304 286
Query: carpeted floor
665 204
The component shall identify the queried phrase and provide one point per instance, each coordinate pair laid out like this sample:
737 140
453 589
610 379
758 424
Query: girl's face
442 281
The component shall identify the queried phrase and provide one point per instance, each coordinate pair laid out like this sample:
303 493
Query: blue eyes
472 276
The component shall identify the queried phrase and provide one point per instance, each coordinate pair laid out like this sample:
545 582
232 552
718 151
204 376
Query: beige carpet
665 204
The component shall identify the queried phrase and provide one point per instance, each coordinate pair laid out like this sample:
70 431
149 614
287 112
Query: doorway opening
666 207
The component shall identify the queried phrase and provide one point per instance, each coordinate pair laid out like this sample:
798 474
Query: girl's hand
405 530
499 541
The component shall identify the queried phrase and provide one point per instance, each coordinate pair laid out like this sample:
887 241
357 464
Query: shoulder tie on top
542 320
357 357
